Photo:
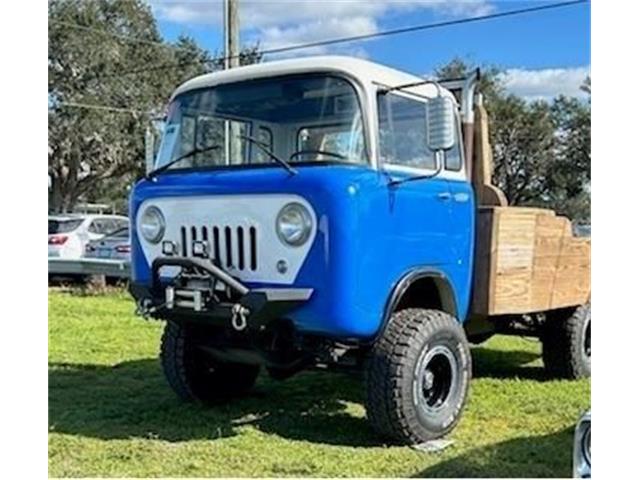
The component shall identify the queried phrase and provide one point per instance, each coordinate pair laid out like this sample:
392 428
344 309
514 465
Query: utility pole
231 33
233 146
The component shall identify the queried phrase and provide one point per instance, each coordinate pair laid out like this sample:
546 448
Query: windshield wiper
265 149
190 153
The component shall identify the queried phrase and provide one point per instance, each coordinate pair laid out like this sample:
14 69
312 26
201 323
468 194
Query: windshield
63 226
309 118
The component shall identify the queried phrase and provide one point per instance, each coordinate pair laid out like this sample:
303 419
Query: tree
522 135
541 150
98 51
569 183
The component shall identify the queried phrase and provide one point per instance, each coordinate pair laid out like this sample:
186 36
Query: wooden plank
548 244
572 283
512 292
527 260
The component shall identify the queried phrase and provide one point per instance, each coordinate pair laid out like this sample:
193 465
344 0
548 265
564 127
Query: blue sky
544 53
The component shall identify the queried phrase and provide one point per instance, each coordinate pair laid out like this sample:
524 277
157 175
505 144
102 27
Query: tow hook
239 317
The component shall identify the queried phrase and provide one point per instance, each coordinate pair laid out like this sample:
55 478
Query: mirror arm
439 167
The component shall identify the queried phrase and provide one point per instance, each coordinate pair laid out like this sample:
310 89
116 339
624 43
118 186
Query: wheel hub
436 376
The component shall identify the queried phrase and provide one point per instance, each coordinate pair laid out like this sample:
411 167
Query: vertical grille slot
228 246
216 246
183 240
240 231
194 237
254 248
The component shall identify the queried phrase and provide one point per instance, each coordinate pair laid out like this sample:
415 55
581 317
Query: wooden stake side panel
527 260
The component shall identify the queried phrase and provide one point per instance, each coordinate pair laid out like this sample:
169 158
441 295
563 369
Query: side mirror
441 123
149 150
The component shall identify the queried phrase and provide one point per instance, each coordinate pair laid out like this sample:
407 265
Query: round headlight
152 224
293 224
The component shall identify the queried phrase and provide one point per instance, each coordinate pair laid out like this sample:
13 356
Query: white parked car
69 234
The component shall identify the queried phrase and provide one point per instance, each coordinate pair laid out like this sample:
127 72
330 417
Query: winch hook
239 317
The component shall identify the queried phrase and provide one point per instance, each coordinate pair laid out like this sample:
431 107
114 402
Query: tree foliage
541 149
97 50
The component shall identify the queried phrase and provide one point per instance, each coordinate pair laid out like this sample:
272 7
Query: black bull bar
256 306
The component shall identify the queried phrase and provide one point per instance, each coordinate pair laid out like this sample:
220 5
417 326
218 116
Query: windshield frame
360 93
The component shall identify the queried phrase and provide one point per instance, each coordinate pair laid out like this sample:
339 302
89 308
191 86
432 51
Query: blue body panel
370 235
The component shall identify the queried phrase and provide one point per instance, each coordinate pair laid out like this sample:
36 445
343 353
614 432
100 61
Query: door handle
444 196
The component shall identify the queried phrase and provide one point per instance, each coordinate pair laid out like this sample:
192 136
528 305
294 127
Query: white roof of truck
367 72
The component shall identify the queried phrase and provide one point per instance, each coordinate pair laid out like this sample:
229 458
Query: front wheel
417 376
194 375
566 342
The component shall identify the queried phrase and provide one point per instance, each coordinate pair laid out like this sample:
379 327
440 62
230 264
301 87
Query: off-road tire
392 379
566 342
194 375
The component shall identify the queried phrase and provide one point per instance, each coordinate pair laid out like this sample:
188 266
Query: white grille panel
239 232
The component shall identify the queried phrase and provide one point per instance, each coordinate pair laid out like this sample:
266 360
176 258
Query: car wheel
194 375
417 376
566 342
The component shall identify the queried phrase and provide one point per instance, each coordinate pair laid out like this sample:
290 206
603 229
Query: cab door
420 209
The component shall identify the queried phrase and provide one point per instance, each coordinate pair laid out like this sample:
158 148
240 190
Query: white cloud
546 83
332 27
268 13
277 23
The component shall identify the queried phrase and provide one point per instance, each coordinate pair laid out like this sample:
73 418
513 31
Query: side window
403 132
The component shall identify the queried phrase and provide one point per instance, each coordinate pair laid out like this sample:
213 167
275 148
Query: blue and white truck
322 212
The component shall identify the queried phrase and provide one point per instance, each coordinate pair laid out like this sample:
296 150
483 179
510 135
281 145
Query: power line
386 33
99 107
125 38
220 60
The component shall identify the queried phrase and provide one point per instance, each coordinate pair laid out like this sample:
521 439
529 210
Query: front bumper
241 307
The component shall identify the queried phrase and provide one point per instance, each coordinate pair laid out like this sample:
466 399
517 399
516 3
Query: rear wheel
417 376
196 376
566 342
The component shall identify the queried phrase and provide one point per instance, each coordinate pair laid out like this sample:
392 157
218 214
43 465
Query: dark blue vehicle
313 212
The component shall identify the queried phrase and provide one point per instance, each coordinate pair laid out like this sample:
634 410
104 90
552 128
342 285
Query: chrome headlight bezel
294 224
152 224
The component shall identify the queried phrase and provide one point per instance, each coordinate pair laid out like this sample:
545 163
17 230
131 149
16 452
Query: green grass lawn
111 413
